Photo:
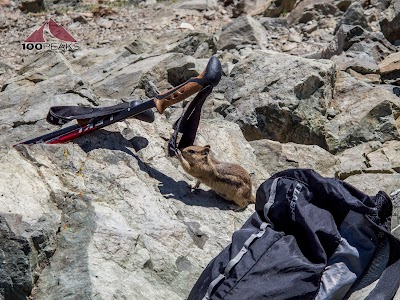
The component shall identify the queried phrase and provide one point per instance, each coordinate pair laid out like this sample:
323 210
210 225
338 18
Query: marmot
230 181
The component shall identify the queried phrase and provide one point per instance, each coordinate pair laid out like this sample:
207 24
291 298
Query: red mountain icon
56 30
37 36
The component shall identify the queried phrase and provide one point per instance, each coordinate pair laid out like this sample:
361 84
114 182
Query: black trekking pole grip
210 76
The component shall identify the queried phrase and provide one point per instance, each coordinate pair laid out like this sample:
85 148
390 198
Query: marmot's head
196 154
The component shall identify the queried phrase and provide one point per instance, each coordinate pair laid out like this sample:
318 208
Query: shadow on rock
168 187
396 91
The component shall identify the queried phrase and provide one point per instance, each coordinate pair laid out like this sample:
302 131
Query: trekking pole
209 77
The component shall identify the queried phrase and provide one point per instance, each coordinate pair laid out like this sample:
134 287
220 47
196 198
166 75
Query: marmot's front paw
238 208
195 185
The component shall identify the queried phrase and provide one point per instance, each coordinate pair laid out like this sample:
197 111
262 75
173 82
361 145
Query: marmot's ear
206 150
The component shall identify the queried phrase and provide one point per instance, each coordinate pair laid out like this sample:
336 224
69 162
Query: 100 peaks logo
37 41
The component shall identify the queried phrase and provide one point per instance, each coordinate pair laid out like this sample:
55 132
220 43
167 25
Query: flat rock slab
389 68
371 184
276 157
244 30
364 113
279 97
390 64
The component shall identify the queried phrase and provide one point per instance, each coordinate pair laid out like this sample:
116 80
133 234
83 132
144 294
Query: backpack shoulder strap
388 283
389 280
385 265
188 123
59 115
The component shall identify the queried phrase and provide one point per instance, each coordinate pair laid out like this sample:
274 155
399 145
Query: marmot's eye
191 151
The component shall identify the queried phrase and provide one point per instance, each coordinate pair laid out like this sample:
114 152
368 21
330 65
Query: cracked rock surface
110 215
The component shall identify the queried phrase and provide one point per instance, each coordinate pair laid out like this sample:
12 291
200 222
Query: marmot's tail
252 199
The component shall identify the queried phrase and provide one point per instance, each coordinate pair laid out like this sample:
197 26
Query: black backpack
310 238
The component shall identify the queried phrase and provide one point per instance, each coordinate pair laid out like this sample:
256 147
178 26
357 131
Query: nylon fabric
234 261
188 123
340 273
212 285
323 240
271 199
59 115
